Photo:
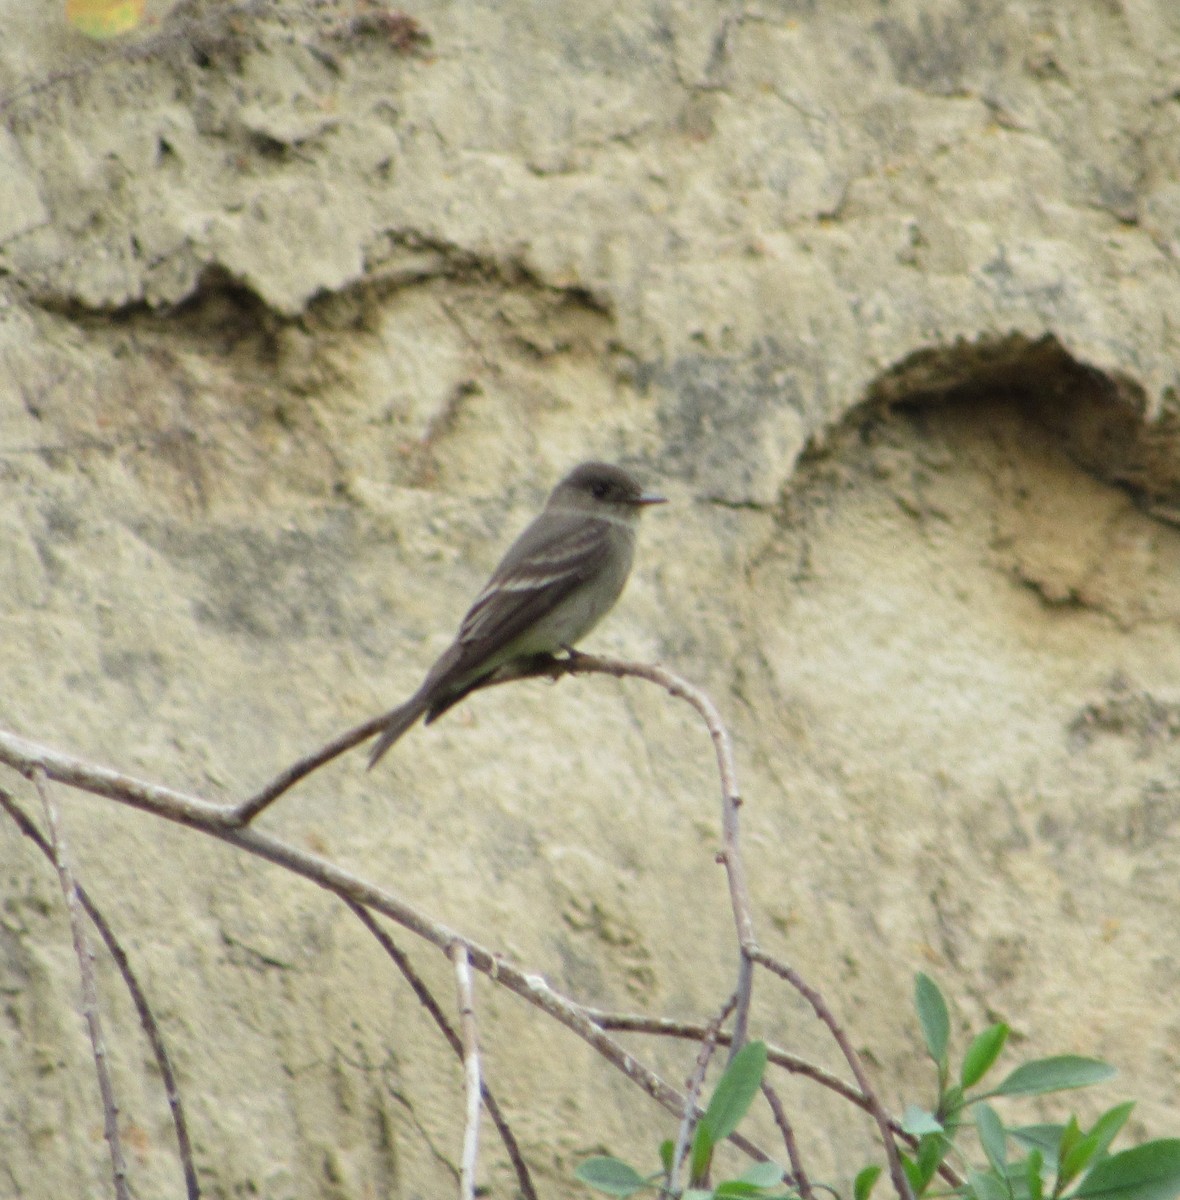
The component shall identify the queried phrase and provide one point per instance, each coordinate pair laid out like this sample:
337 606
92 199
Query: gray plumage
559 578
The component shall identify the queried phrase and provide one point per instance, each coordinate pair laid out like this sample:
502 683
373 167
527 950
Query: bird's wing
551 559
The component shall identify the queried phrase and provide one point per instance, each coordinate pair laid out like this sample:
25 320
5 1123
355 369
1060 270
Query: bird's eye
600 490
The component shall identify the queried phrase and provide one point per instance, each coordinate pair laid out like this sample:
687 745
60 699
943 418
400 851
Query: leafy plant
1023 1162
1005 1161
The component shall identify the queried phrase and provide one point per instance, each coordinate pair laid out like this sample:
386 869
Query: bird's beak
651 498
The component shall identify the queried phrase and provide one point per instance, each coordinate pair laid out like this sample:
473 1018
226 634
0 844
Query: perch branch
730 855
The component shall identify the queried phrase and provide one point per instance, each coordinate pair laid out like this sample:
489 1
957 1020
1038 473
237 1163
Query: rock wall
302 310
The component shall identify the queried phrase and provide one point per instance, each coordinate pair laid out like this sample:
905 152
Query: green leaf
667 1149
1147 1172
1107 1127
610 1175
986 1186
1032 1174
991 1137
919 1122
912 1172
1045 1138
763 1175
931 1151
1054 1075
701 1154
933 1016
982 1053
739 1187
1071 1135
736 1088
1074 1161
863 1184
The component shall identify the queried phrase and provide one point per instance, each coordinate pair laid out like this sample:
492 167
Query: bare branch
245 812
432 1006
85 957
138 997
800 1180
214 819
469 1035
26 757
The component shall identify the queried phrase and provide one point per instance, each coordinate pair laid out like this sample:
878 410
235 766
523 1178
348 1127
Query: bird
559 578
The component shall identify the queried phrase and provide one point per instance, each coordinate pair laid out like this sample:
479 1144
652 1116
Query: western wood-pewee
557 581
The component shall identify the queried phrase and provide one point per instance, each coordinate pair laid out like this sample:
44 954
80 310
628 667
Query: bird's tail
400 719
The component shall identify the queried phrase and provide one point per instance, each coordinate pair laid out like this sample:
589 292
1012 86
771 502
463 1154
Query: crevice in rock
1101 420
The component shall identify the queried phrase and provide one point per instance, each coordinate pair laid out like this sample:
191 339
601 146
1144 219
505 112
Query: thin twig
245 812
799 1180
85 957
138 997
689 1119
471 1072
696 1030
819 1006
427 1000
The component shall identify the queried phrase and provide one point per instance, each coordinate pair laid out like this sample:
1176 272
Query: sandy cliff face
300 317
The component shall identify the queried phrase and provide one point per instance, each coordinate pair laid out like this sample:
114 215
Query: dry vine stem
138 997
85 956
231 824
